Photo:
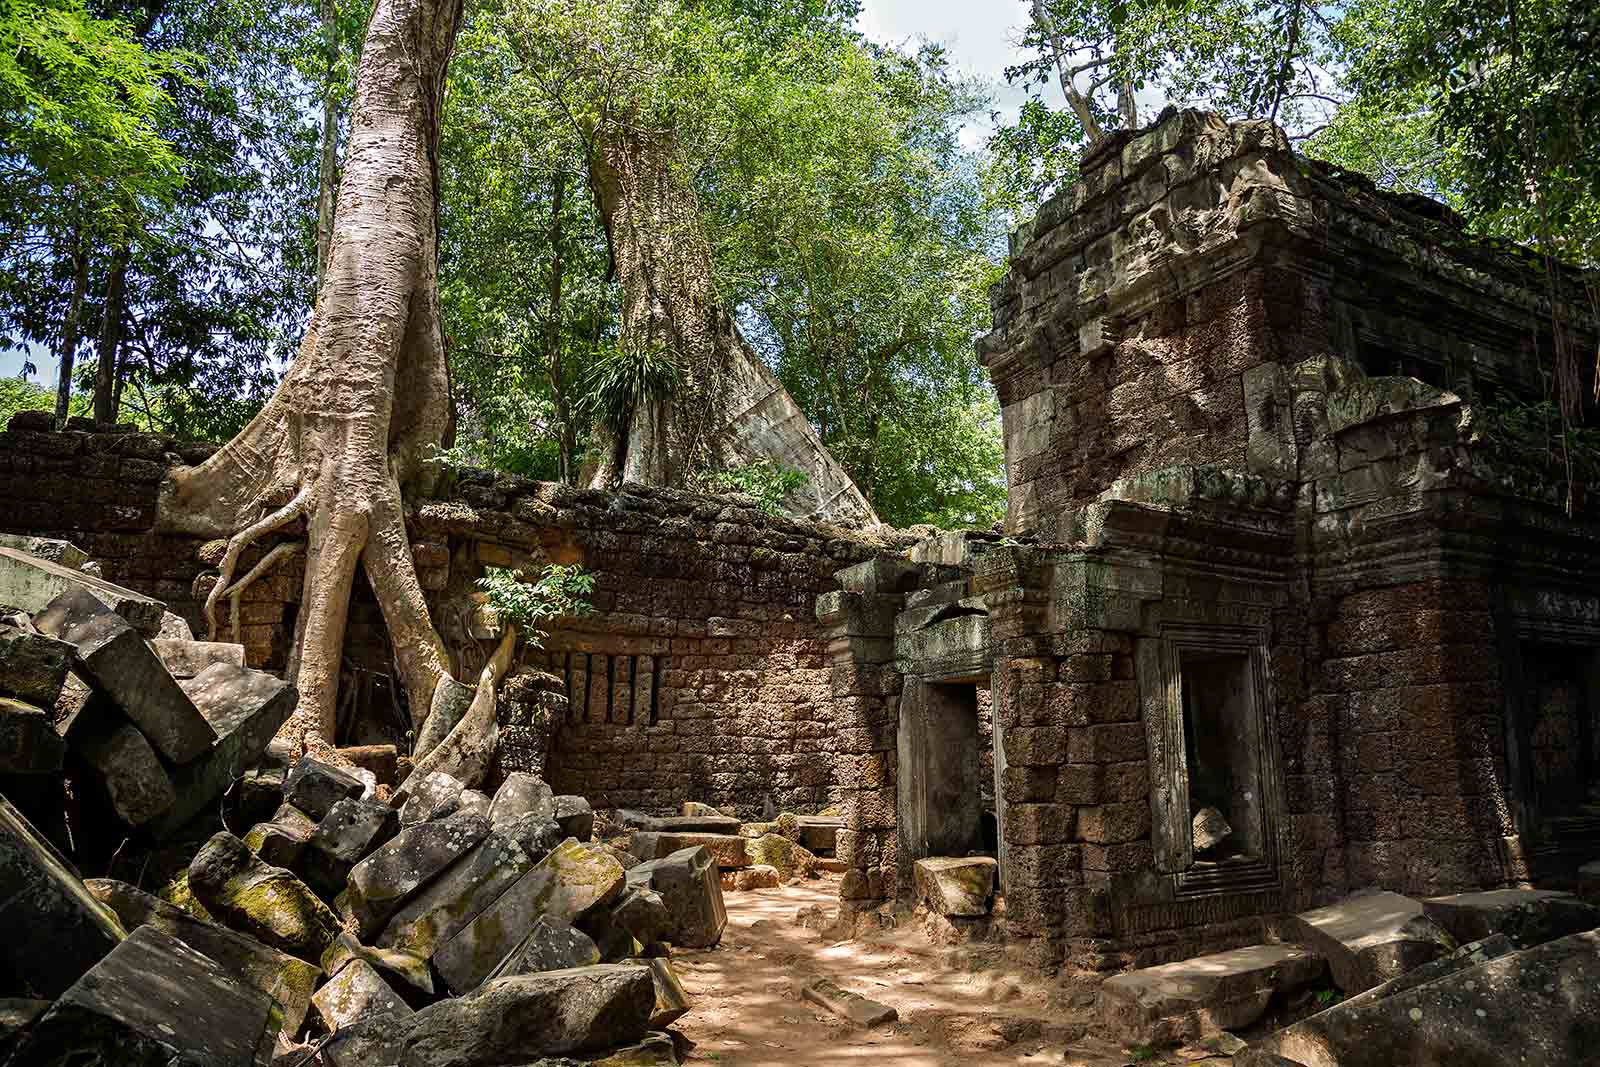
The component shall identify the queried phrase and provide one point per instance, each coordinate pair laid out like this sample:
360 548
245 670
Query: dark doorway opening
1222 752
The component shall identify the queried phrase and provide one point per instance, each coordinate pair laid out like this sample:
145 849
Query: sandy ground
748 1011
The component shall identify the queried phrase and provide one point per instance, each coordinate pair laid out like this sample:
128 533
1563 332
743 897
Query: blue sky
980 36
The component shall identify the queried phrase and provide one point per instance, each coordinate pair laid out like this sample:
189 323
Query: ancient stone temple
1282 611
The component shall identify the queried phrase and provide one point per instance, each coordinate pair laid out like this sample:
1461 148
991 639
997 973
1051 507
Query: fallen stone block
186 659
29 743
474 802
672 1000
852 1007
552 945
957 887
268 903
1369 938
1527 917
174 627
643 913
655 1050
729 850
17 1016
260 793
62 553
55 930
372 1042
287 980
1210 828
629 819
279 844
1536 1008
380 884
382 760
114 657
356 991
451 901
696 810
570 883
126 767
153 1000
790 859
33 667
347 834
437 795
689 886
820 833
245 708
409 971
522 794
615 942
315 787
520 1018
30 583
575 817
1195 997
760 876
695 824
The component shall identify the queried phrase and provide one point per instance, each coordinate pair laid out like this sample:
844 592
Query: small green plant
1326 997
1142 1053
768 482
559 592
622 379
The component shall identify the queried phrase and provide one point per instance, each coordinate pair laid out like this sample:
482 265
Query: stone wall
701 675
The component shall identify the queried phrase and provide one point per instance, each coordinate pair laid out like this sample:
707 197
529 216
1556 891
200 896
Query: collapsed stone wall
701 675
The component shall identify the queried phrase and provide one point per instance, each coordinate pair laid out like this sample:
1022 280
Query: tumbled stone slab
1198 996
55 930
570 884
672 1000
552 945
357 990
852 1007
287 980
315 787
437 795
126 766
116 659
350 830
268 903
474 802
692 892
1537 1007
820 833
380 884
655 1050
1370 938
519 1019
575 817
246 708
454 899
522 794
62 553
398 965
957 887
695 824
643 913
29 743
152 1000
1527 916
186 659
278 844
729 850
33 667
30 583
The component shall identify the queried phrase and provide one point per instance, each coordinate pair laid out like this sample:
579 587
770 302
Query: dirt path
748 1010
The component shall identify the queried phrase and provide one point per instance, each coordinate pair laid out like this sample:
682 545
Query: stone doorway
1560 737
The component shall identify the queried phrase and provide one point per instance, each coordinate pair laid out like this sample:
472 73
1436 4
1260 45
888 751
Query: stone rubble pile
458 929
748 855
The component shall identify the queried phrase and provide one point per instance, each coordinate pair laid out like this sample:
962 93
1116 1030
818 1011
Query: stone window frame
1161 693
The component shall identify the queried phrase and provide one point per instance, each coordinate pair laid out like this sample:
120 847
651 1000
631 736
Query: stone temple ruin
1282 674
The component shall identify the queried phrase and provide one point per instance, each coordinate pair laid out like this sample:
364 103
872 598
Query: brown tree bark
354 422
71 329
327 175
106 392
566 432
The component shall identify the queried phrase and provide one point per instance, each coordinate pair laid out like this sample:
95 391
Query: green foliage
625 377
1530 434
560 592
1328 997
768 482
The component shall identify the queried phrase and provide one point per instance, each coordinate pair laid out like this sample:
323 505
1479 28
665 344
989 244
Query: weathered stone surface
382 760
820 833
124 763
174 627
55 930
17 1016
655 1050
30 583
315 787
575 817
790 859
1210 828
1193 997
437 795
287 980
552 945
268 903
729 850
1527 917
1539 1007
758 877
29 743
630 819
956 886
62 553
33 667
350 830
279 844
116 659
356 991
245 708
445 907
474 802
518 1019
186 659
373 1042
689 886
450 704
404 968
852 1007
672 1000
380 884
152 1001
571 883
695 824
643 913
695 810
522 794
1370 937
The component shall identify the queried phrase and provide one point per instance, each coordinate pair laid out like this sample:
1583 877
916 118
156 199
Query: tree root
466 751
235 591
237 544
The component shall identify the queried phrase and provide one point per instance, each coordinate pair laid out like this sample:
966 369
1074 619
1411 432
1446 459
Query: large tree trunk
71 329
728 409
106 393
328 170
355 420
566 433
